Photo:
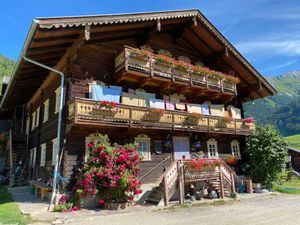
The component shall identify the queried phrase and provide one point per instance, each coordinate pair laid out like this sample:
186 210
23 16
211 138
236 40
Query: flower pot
191 120
88 202
104 112
152 117
162 69
198 77
138 61
181 75
115 205
228 85
213 81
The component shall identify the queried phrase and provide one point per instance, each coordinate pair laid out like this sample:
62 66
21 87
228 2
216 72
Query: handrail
154 168
228 167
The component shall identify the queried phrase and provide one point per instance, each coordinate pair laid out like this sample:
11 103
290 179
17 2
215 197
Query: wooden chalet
126 56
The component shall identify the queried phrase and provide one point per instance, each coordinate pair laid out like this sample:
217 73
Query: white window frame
212 142
235 144
43 154
57 99
46 111
37 117
54 144
33 120
32 157
145 140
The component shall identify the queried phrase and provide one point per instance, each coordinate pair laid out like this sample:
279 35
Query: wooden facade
93 50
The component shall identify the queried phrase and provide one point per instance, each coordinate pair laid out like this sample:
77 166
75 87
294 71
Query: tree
267 152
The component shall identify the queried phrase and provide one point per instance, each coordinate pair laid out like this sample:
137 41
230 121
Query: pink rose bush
110 173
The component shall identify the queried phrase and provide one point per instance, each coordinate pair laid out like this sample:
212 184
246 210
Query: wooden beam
145 82
61 65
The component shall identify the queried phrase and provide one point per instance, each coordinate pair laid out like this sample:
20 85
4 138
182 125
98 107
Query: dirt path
273 210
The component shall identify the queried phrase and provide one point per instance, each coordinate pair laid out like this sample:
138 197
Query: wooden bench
41 188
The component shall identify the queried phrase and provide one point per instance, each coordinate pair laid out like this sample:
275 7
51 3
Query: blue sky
266 32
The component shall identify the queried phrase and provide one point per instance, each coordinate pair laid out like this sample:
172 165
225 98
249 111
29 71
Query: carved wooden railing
81 112
173 179
149 67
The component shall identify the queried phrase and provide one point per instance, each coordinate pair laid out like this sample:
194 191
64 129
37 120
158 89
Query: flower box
153 115
181 74
198 77
229 85
160 67
213 81
192 119
104 112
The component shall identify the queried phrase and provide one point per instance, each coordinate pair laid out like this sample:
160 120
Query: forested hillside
6 68
282 110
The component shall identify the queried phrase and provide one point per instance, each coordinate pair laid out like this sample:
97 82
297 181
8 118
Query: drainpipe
62 76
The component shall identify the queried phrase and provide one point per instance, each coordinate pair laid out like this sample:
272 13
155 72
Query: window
57 99
212 147
37 117
33 120
235 149
54 149
43 154
27 125
46 110
143 146
32 157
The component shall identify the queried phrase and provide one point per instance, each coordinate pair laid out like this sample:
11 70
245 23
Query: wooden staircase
156 195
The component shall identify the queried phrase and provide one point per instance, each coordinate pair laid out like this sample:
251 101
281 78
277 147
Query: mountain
281 110
6 68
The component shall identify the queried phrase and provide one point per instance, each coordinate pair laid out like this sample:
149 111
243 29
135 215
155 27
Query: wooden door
181 146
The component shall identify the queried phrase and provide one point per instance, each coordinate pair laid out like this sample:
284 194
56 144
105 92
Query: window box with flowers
192 119
230 82
139 57
105 109
195 167
153 115
214 78
163 64
181 70
225 122
110 174
199 74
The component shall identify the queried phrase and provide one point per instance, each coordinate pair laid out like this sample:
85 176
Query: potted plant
230 82
214 78
153 115
192 119
224 122
105 109
139 58
198 74
110 175
181 69
163 64
230 160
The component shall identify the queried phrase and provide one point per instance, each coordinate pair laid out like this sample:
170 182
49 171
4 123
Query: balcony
81 112
149 71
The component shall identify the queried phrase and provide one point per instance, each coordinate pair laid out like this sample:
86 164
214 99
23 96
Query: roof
294 150
49 38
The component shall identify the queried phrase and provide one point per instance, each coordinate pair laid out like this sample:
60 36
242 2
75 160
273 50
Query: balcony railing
130 66
81 112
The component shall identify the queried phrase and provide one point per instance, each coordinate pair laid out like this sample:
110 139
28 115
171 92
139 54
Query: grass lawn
289 187
294 141
9 210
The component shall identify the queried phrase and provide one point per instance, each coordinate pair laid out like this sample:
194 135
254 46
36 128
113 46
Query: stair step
153 200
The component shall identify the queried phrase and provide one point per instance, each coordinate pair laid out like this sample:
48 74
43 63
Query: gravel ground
273 210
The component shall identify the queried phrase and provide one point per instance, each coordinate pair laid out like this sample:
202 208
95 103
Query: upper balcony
83 112
162 72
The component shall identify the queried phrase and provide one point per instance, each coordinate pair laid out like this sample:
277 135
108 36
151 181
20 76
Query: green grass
294 141
9 210
289 187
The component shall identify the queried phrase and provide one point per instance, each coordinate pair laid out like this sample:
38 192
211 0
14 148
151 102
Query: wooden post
10 159
180 182
221 185
166 197
232 183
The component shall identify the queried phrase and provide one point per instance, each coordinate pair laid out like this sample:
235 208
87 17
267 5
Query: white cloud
286 64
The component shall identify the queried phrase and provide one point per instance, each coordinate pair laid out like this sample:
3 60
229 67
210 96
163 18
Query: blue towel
102 93
156 103
116 88
205 109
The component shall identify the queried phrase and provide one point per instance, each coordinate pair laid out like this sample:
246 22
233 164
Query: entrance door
181 147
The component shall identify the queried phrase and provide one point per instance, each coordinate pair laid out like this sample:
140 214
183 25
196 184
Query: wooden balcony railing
81 112
149 71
